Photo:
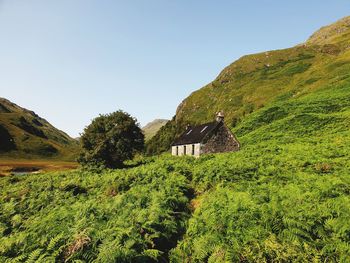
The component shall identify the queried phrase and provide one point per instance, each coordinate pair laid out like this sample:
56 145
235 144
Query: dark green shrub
110 140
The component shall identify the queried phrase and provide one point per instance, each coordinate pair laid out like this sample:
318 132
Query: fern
18 259
34 255
270 202
54 241
152 253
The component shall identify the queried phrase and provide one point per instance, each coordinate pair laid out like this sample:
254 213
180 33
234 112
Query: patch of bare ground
8 167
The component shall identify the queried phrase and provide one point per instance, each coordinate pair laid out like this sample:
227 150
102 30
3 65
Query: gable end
220 140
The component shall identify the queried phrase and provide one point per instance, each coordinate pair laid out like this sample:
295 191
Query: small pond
24 170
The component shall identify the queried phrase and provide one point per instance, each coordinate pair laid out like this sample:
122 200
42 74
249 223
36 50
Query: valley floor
8 166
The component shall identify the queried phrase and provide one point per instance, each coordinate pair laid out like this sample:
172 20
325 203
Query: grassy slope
254 81
285 197
31 136
153 127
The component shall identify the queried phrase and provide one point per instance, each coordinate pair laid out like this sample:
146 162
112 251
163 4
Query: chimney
220 116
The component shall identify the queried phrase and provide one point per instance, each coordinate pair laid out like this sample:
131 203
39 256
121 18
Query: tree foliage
110 140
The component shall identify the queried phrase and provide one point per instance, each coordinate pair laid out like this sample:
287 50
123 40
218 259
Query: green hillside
150 129
23 134
253 82
284 197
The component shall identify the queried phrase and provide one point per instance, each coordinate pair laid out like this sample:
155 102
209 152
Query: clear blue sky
70 60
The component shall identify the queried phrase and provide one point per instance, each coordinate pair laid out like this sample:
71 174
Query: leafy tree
110 140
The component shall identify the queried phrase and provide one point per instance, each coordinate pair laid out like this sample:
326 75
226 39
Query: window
189 132
177 150
184 149
192 149
204 129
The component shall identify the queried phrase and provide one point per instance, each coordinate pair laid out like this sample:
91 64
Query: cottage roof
196 134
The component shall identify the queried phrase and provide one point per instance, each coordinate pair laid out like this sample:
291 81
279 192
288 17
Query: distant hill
24 134
151 128
256 83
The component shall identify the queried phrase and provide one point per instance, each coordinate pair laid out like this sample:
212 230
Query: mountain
332 34
266 82
151 128
25 134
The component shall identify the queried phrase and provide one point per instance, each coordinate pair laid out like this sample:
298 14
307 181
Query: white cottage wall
191 149
197 149
181 150
173 150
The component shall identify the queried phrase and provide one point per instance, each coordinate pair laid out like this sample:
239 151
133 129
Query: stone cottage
212 137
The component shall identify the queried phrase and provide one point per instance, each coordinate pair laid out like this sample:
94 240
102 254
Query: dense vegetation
284 197
111 139
126 215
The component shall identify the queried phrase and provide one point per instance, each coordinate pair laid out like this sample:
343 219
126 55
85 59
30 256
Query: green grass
269 201
126 215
